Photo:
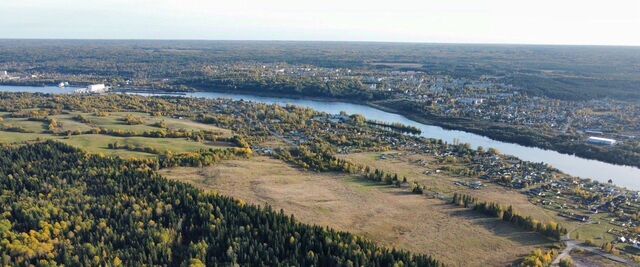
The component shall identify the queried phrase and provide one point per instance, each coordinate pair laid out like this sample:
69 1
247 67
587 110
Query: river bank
624 176
522 136
525 137
500 132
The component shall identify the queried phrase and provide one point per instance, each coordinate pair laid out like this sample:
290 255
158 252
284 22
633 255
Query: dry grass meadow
384 214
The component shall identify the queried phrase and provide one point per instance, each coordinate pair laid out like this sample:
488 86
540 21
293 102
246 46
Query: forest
61 206
346 88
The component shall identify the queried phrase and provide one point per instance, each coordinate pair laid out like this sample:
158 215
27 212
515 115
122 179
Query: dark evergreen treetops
61 206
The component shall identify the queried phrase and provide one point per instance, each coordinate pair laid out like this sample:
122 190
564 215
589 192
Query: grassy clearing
596 230
96 143
69 124
115 121
99 143
415 167
11 137
385 214
31 126
191 125
585 258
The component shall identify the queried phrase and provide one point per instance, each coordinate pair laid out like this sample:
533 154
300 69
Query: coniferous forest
61 206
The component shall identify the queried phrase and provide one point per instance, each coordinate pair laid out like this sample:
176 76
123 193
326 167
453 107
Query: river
625 176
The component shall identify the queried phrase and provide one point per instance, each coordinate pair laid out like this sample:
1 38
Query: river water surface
625 176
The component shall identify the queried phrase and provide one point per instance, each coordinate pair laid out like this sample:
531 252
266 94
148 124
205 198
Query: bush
567 262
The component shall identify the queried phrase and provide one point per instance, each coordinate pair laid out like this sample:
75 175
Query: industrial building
601 141
93 89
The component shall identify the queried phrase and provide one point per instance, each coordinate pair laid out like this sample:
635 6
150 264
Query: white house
471 101
4 75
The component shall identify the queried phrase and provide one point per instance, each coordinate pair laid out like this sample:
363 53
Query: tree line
315 158
396 126
549 229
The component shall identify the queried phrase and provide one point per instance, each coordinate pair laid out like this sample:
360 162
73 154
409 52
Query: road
574 244
565 127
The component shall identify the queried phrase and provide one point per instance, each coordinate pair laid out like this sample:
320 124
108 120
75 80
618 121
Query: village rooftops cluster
486 98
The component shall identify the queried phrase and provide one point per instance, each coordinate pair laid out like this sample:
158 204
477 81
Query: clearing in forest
387 215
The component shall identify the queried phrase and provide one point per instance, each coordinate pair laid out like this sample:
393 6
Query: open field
414 167
114 121
98 143
384 214
585 258
12 137
68 124
31 126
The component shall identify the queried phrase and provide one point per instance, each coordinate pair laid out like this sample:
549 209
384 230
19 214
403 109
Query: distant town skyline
455 21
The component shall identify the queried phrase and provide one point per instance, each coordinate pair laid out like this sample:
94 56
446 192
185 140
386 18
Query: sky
582 22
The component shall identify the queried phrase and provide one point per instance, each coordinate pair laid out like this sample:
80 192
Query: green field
11 137
31 126
98 143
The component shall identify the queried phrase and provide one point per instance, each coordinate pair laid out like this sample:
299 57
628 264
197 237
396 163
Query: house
476 185
471 101
594 132
582 218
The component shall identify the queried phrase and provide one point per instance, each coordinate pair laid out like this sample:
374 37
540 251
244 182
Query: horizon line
321 41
